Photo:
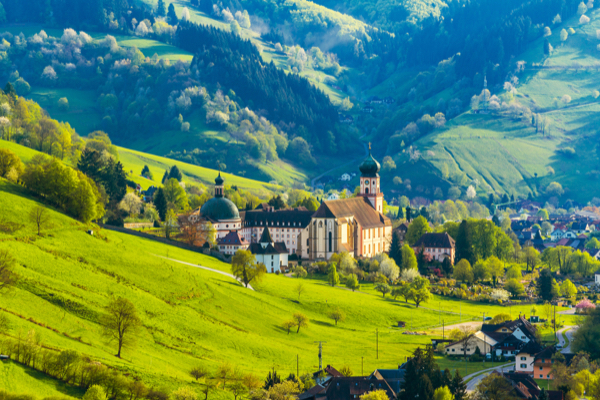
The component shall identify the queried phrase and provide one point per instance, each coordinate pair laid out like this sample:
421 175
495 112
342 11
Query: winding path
476 377
205 268
567 330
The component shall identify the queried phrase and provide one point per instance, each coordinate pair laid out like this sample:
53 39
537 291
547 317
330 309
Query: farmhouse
436 246
480 341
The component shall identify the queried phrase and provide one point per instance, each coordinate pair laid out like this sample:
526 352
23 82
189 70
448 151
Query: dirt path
205 268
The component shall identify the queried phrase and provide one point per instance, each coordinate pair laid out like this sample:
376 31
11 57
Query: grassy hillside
193 316
16 378
133 162
505 154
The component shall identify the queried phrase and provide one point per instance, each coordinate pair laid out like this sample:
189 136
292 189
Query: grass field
16 378
82 115
192 316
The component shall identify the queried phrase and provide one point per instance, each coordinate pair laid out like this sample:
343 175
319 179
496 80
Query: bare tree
299 289
39 217
7 275
121 323
466 337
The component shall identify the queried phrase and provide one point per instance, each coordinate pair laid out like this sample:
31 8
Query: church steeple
369 181
219 185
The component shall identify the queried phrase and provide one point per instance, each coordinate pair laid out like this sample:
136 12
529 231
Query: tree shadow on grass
322 323
55 383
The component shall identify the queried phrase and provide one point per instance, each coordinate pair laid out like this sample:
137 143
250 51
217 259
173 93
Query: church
355 225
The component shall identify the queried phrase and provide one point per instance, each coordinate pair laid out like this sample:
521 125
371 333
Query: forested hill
224 59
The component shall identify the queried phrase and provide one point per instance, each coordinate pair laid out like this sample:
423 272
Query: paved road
559 335
205 268
475 378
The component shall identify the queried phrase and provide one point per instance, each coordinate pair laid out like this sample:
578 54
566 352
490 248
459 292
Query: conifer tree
175 173
160 202
396 249
458 387
172 15
400 213
464 247
161 11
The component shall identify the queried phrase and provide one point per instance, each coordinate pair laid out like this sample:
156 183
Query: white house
231 243
479 340
333 196
273 255
597 279
557 234
525 358
345 177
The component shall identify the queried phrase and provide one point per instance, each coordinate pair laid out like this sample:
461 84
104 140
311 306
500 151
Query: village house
480 341
436 246
525 358
526 388
231 243
542 363
400 231
345 177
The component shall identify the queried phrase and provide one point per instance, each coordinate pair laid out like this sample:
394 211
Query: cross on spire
369 146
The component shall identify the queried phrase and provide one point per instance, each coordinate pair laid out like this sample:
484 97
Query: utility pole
362 366
444 330
555 338
485 343
377 342
297 367
320 355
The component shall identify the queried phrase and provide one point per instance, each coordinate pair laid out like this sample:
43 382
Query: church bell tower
369 182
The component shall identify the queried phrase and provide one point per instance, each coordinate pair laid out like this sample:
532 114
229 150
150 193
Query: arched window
367 190
320 224
330 242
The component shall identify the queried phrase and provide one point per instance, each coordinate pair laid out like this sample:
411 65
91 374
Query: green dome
369 167
219 208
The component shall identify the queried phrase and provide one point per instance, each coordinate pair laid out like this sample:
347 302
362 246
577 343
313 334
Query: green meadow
193 316
134 161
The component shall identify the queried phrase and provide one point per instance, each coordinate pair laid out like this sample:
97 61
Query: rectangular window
523 365
523 358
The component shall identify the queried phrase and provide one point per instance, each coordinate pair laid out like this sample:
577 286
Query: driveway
478 376
205 268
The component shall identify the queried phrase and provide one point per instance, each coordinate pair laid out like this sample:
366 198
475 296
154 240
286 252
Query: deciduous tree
39 216
462 271
338 315
121 323
301 321
245 268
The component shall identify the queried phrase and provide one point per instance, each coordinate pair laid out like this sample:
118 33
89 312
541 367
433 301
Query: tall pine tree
172 15
396 249
464 246
161 10
160 202
458 387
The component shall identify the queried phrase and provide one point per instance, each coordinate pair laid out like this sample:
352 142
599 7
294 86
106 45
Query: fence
170 242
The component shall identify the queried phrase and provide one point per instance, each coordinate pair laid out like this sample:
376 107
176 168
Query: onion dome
218 180
369 167
219 208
